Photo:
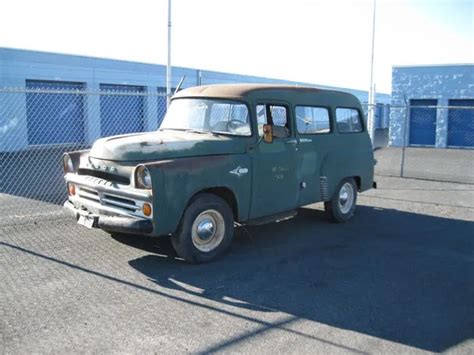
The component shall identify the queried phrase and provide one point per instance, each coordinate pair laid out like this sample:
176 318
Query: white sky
321 42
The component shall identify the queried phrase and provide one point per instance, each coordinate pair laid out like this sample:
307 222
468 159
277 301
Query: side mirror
268 133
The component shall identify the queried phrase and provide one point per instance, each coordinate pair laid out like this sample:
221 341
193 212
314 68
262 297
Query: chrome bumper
113 223
120 206
94 193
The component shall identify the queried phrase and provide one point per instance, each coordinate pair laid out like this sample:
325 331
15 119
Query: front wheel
206 229
342 206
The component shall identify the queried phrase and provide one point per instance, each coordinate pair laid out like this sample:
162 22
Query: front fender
176 181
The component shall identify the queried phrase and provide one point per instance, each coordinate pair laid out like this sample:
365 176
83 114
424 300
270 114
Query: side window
276 115
348 120
279 116
312 120
261 117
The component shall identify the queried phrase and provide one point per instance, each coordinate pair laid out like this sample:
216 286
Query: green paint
262 178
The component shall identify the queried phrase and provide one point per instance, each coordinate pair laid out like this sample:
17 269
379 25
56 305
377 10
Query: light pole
371 98
168 65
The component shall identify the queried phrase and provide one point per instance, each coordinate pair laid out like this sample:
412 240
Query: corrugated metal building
436 95
78 117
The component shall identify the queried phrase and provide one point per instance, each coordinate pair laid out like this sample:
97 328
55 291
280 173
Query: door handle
292 141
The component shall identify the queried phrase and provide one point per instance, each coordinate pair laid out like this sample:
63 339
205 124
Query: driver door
274 179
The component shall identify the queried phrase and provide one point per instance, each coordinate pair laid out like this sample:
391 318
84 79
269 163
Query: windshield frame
224 99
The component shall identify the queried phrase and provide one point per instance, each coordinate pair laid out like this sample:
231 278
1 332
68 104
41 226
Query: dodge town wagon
225 155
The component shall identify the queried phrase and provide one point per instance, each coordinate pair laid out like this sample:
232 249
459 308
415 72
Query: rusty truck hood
161 145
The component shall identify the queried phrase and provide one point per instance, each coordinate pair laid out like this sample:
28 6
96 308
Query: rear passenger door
314 132
274 165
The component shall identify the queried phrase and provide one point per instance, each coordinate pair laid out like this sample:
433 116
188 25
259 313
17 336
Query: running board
279 217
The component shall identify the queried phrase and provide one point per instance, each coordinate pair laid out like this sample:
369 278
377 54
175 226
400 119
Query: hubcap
208 230
205 229
346 198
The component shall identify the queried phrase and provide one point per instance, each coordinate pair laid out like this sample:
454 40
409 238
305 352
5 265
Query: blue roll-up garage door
54 118
422 122
461 124
121 109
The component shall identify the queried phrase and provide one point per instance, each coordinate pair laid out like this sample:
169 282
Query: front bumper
112 207
119 224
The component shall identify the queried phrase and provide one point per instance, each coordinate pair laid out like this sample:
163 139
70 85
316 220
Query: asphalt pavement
398 278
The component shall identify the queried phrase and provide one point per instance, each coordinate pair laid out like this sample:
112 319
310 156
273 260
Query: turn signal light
147 209
71 189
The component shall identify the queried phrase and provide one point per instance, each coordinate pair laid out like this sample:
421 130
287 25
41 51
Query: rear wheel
342 206
206 229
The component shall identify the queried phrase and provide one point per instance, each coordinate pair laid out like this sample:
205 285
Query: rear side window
312 120
348 120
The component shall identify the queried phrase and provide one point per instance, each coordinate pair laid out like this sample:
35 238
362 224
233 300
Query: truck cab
245 153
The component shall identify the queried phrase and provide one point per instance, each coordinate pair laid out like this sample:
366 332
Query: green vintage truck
225 154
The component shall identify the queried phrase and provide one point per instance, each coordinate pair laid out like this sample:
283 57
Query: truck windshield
208 115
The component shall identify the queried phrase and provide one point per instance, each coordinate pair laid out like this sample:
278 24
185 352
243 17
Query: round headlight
143 177
67 164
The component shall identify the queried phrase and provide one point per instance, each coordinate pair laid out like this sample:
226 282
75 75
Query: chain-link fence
430 142
381 116
37 125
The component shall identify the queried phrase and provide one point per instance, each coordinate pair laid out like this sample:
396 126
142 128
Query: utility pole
371 98
168 65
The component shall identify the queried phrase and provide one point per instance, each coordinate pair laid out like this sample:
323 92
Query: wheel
342 206
206 229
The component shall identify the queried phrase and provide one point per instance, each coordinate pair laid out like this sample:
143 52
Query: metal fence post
404 138
405 131
168 64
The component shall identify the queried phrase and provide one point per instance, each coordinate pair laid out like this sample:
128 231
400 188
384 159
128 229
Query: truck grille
107 199
89 194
